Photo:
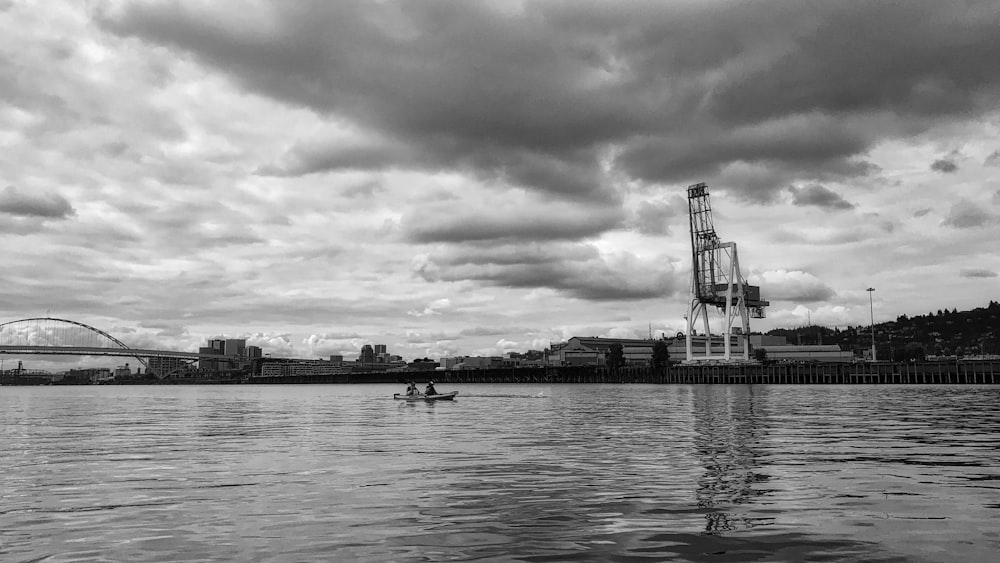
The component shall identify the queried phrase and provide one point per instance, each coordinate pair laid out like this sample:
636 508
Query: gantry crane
716 280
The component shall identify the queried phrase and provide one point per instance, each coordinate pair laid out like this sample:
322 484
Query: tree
534 355
914 351
661 355
615 357
760 354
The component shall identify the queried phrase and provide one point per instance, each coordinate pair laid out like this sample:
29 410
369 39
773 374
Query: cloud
288 168
277 345
819 196
326 345
993 159
977 273
42 206
965 214
654 217
792 285
508 221
577 271
944 165
433 308
552 97
340 153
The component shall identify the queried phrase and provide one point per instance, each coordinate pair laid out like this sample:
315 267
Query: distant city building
235 349
254 353
380 349
210 364
337 358
367 355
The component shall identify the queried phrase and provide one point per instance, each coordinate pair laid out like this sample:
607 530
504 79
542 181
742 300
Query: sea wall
970 372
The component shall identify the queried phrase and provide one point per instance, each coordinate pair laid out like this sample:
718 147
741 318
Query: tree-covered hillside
941 333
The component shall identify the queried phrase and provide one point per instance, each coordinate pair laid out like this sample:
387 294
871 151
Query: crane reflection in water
728 440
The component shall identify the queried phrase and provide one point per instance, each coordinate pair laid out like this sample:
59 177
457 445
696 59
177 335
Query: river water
503 473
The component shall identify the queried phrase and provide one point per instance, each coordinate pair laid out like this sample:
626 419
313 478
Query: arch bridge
62 337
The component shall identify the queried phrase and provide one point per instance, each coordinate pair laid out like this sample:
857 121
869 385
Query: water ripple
504 473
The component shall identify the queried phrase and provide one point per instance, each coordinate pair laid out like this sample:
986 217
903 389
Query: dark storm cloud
527 224
571 269
944 165
656 217
917 59
536 93
977 273
44 206
819 196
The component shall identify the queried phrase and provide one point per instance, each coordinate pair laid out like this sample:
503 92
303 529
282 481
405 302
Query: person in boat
430 390
411 389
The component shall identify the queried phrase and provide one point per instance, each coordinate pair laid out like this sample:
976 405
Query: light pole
871 306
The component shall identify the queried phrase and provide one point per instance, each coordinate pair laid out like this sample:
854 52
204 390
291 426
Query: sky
472 178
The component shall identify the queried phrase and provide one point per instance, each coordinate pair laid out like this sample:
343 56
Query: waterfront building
290 367
811 353
418 365
778 349
593 351
163 366
450 363
678 346
93 375
479 362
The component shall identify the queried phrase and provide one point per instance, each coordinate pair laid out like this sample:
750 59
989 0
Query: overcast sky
457 177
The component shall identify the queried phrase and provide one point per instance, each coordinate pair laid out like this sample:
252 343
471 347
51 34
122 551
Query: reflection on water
526 473
728 432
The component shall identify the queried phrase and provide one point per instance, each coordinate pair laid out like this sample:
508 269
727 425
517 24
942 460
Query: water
504 473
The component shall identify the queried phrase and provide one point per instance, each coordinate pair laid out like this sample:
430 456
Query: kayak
421 397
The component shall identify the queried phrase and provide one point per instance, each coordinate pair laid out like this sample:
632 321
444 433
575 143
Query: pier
961 372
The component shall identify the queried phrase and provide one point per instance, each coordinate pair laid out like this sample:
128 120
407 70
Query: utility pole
871 306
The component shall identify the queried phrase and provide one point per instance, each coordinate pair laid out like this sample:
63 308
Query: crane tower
716 280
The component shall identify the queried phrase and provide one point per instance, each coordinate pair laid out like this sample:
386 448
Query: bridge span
61 337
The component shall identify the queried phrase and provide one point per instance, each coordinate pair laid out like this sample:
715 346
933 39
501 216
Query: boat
422 397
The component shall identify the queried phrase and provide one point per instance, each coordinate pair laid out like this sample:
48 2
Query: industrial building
592 351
